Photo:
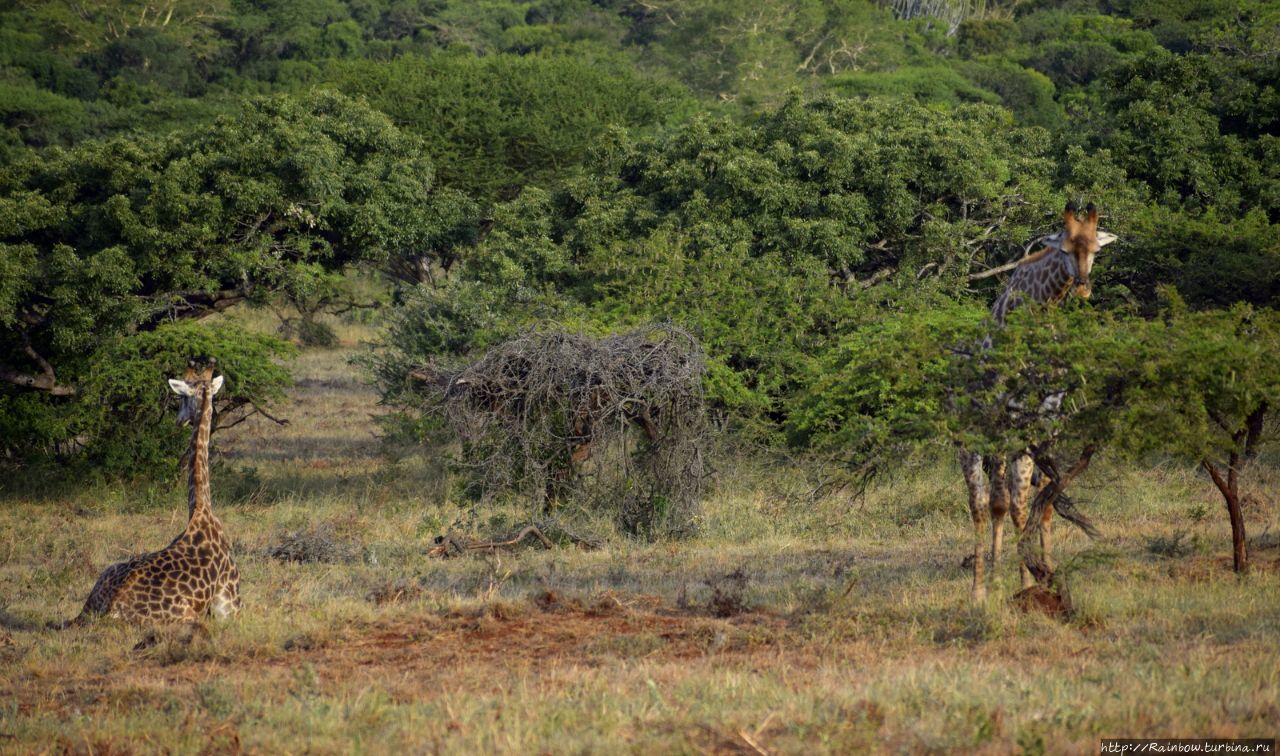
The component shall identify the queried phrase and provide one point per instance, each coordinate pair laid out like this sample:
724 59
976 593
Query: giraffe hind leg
1046 538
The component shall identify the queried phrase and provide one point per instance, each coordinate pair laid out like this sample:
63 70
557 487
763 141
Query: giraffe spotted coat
1000 486
195 575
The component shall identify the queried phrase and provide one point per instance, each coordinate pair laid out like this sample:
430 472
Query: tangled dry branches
618 422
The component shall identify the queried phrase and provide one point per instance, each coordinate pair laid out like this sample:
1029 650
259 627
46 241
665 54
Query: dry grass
846 628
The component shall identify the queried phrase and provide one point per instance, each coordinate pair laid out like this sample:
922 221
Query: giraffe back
192 577
1044 277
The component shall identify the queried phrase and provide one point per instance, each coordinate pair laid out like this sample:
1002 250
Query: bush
123 413
1029 94
615 423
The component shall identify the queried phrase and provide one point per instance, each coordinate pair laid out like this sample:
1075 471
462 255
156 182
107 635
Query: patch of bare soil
552 630
414 657
1037 598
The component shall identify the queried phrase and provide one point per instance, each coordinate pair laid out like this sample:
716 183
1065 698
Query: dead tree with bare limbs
617 422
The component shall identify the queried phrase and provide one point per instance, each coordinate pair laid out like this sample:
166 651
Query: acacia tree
114 238
1196 386
1213 379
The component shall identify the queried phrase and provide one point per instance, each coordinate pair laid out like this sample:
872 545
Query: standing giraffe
193 576
998 486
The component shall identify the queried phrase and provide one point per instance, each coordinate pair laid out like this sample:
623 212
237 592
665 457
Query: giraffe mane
1034 256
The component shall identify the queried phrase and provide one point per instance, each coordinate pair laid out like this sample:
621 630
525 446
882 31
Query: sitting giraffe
193 576
998 486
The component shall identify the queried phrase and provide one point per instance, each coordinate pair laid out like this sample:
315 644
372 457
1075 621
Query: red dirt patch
553 629
1037 598
415 657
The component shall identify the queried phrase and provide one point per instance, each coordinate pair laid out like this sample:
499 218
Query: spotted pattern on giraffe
194 576
998 486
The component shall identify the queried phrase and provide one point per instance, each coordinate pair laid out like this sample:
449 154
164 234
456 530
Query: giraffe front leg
997 474
1020 475
226 599
975 480
224 605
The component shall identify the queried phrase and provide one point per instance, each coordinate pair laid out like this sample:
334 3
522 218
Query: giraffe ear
216 386
1105 238
181 388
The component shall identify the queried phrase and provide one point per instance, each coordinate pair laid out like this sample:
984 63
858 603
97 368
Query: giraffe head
1081 240
192 387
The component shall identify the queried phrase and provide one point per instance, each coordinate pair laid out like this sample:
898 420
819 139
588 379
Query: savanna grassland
790 623
349 205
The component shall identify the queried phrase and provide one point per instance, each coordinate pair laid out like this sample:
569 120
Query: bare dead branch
192 304
47 381
877 277
989 272
618 421
269 416
449 545
35 382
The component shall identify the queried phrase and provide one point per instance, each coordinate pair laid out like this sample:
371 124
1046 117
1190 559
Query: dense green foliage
127 415
1183 383
498 123
108 240
738 230
122 417
809 187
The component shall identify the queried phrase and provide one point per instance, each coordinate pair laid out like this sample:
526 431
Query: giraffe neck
1041 279
199 504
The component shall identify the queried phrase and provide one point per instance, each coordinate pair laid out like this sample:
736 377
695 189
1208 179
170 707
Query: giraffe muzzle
1083 288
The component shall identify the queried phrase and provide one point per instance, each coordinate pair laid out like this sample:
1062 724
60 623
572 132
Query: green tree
501 122
1193 386
767 240
1211 380
124 414
117 237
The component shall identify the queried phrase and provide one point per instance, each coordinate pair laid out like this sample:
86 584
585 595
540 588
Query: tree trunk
1239 557
1253 433
1230 490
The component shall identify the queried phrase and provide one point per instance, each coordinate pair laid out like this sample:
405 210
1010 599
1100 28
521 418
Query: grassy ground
790 624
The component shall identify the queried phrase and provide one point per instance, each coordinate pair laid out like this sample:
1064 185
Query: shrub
123 413
615 423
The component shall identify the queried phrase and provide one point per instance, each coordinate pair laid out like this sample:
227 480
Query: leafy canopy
114 238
